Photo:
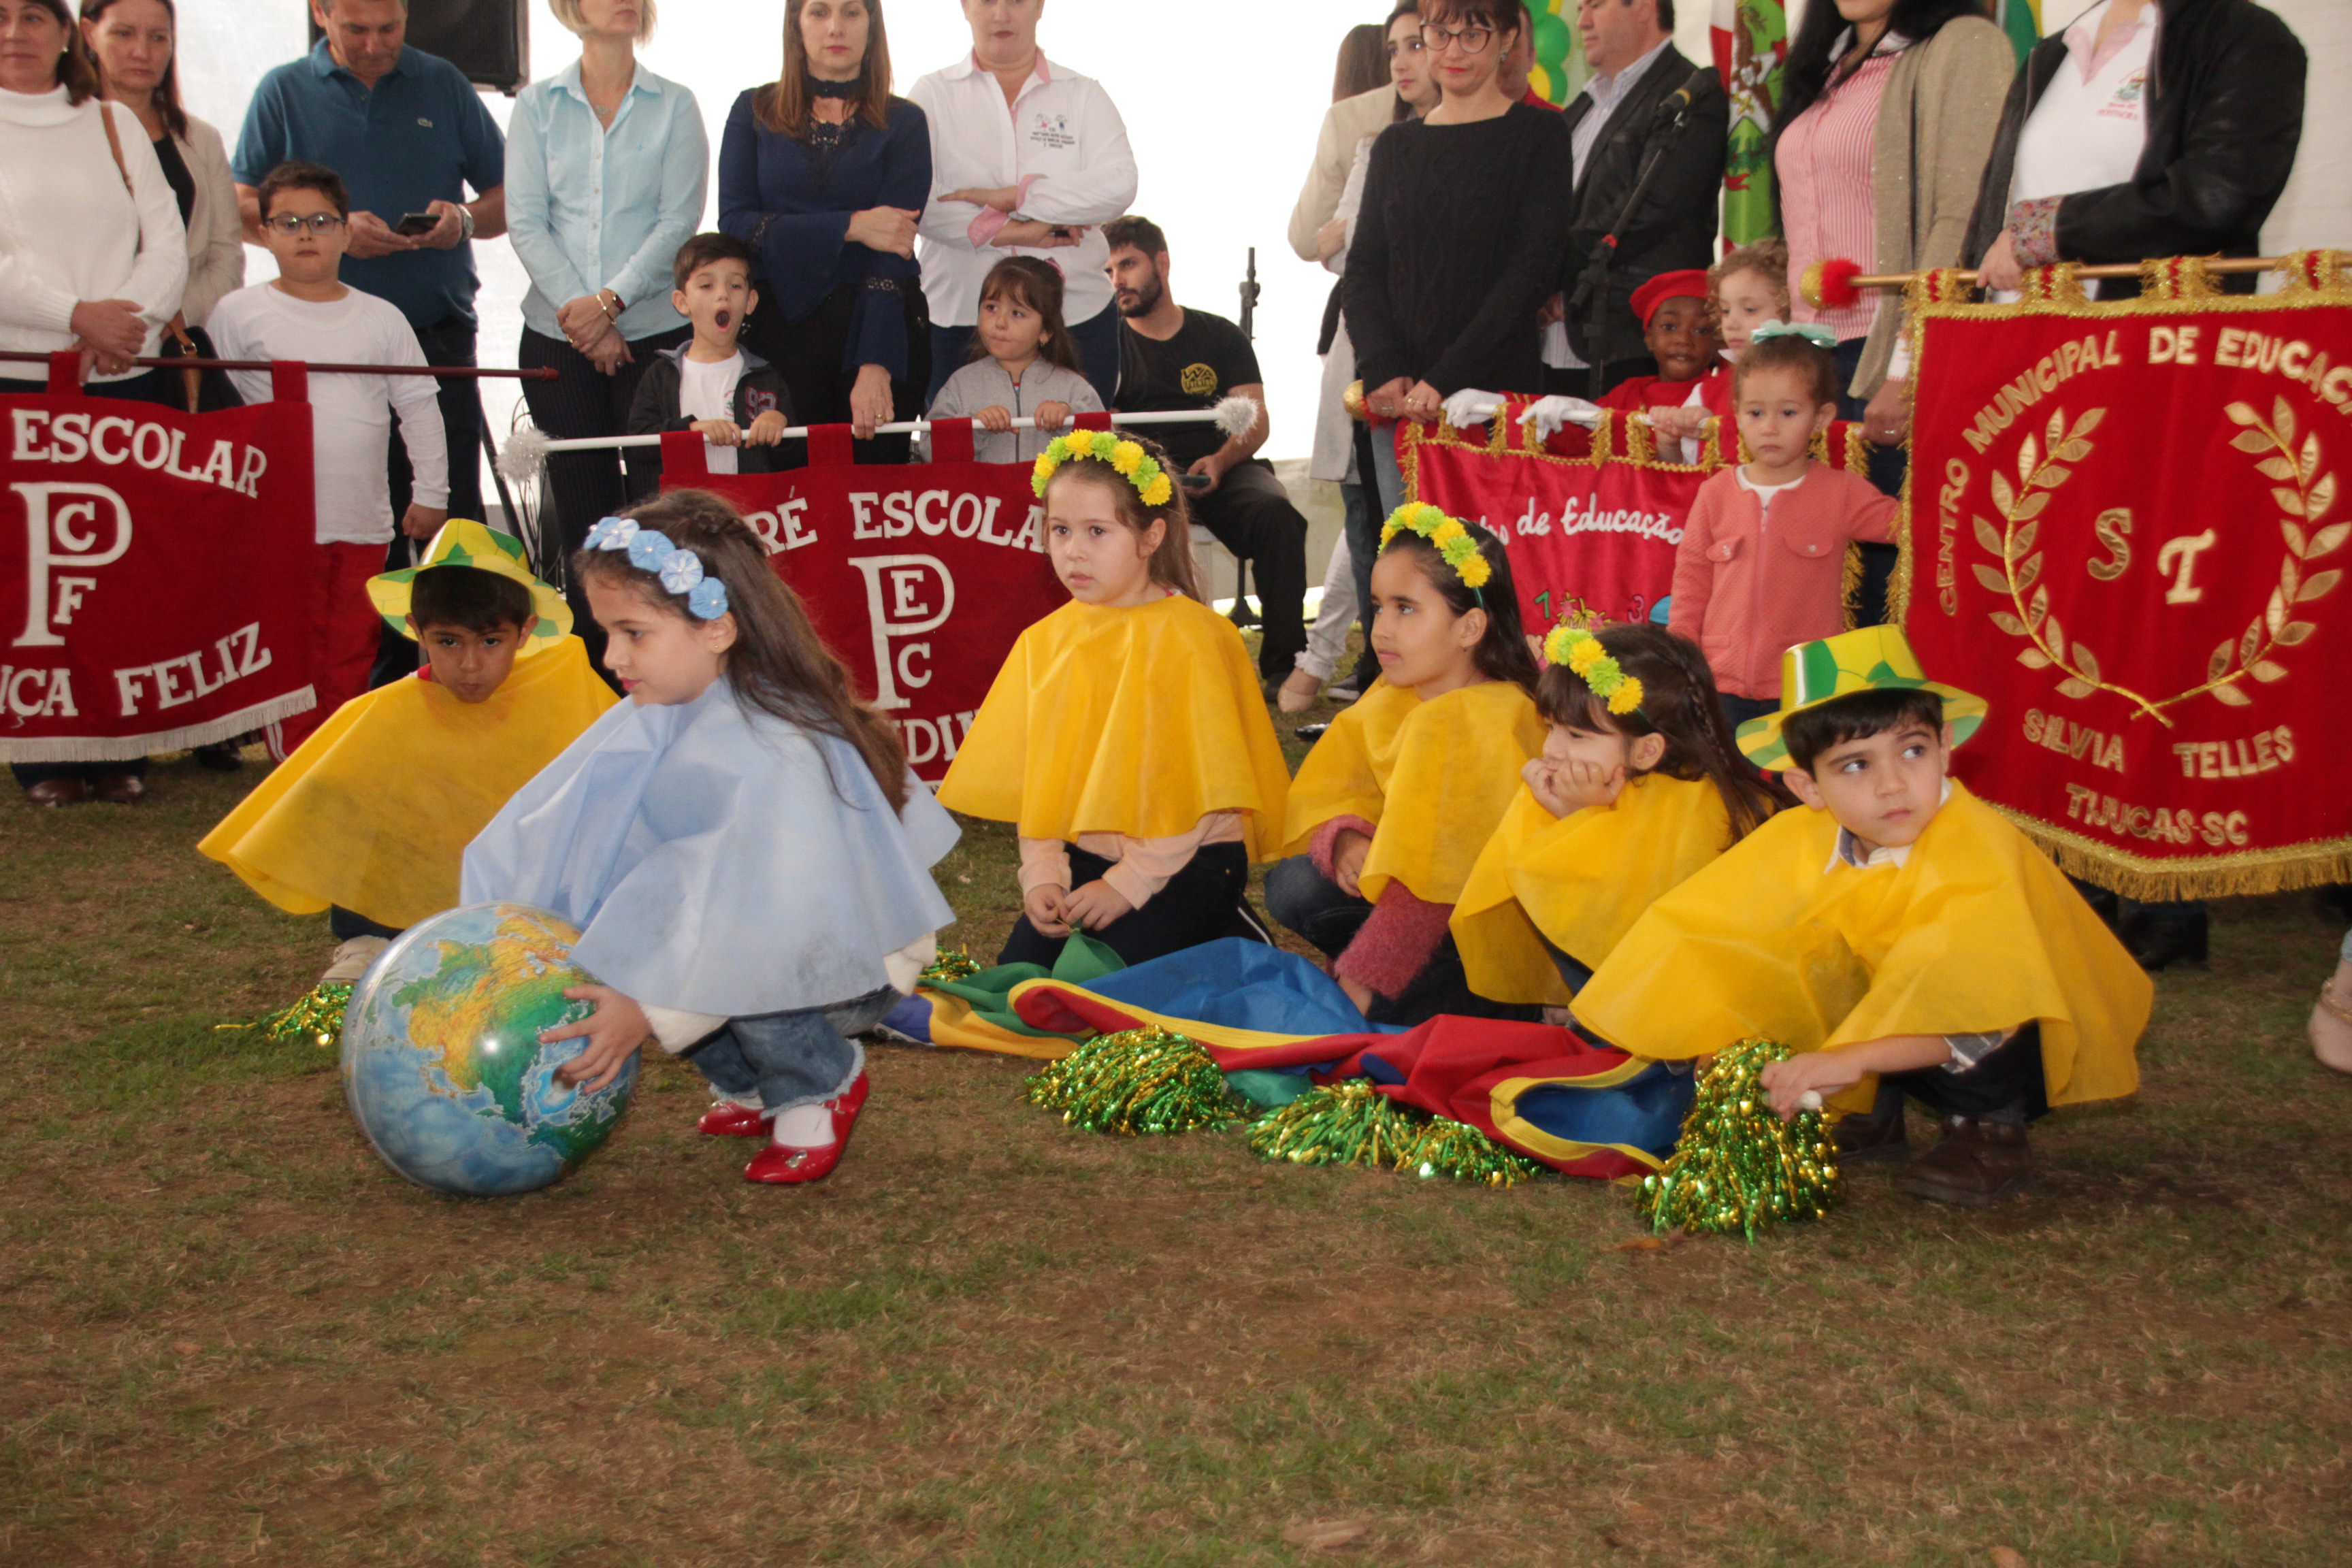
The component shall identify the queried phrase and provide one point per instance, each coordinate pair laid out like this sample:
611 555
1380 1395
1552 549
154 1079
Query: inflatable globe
442 1062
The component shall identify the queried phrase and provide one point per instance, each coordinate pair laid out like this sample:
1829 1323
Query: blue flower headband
680 570
1813 333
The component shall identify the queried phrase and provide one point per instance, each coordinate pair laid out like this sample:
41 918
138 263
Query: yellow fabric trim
1140 722
1434 777
953 1023
374 812
1502 1106
1975 932
1220 1035
1579 880
2284 868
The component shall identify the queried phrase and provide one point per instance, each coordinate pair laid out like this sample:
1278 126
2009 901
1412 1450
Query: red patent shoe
781 1164
728 1120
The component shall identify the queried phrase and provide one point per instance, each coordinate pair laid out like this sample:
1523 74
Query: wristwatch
466 220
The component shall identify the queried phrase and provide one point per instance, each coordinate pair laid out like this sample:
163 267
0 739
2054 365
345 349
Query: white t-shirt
2090 126
706 389
350 416
1765 494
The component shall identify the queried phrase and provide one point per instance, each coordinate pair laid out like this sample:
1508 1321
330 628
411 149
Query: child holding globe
740 843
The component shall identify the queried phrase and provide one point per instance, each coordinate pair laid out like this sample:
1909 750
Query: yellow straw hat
1870 659
465 542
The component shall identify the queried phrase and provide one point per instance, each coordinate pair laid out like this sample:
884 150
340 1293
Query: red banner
921 577
2126 534
1592 519
157 573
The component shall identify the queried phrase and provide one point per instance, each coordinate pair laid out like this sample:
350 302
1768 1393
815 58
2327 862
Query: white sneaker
352 958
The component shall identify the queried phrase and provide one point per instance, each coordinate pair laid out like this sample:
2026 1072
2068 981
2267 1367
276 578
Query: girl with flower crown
1638 785
1390 808
1125 735
740 843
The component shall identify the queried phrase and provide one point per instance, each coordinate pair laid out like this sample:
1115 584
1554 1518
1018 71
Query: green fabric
1082 960
1268 1089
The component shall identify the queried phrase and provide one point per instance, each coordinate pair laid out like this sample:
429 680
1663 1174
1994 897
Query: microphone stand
1592 289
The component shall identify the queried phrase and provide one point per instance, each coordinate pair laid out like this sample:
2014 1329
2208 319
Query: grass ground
227 1334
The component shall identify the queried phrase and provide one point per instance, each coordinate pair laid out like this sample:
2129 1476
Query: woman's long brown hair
779 664
782 105
1678 702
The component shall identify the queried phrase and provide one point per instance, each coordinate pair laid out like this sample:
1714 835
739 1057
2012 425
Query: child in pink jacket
1761 566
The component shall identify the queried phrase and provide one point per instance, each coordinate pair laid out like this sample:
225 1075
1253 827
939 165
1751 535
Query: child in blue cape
740 843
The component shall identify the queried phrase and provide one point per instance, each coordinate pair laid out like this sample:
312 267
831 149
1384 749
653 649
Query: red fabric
1750 584
2165 675
1393 945
1647 391
921 577
345 632
156 570
1689 283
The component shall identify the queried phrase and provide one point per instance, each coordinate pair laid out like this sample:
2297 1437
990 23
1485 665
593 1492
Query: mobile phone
414 224
1193 481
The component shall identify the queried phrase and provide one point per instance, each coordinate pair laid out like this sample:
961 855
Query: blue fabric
420 136
719 861
1645 1112
766 178
1240 984
591 208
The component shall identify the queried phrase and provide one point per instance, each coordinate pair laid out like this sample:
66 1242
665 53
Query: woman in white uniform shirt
1027 159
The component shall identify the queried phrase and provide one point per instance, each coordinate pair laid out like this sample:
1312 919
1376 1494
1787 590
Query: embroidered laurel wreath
2018 578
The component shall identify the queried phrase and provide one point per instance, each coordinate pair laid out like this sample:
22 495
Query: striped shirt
1826 193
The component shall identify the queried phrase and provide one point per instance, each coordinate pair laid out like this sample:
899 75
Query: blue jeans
1388 475
796 1058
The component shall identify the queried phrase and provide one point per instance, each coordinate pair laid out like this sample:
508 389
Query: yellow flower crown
1126 458
1578 648
1453 541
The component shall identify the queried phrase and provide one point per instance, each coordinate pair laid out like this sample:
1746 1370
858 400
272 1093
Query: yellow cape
374 810
1975 932
1579 880
1434 777
1140 722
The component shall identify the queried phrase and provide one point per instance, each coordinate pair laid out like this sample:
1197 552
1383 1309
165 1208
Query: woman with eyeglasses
1458 241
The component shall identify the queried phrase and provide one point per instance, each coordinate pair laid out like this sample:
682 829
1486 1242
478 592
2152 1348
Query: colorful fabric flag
2021 20
1750 41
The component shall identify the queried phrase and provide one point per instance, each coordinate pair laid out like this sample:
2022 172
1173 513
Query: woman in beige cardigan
132 42
1939 73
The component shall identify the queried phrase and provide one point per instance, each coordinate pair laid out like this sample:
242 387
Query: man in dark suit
1620 116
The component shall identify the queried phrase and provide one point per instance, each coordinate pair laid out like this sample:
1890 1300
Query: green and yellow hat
1871 658
465 542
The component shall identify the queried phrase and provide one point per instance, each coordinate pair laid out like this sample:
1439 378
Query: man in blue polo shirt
408 134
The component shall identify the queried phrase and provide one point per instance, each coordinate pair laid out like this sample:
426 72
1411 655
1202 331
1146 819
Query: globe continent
442 1062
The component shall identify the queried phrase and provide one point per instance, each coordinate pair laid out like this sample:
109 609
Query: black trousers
2006 1085
809 355
1363 526
449 342
345 924
1200 903
1251 514
1313 905
582 403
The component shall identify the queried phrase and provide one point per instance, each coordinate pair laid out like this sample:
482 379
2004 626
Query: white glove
1471 407
1549 413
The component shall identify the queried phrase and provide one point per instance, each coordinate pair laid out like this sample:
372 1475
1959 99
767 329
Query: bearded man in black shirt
1173 358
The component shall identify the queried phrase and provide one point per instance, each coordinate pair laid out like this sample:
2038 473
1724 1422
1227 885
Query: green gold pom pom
1345 1123
318 1017
1738 1167
1445 1147
1138 1080
950 966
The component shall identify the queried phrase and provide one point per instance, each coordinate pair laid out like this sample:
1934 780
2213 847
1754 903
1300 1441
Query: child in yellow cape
1900 929
369 817
1390 808
1126 735
1638 785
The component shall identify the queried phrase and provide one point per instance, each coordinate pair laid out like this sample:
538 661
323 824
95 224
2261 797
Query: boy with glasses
306 312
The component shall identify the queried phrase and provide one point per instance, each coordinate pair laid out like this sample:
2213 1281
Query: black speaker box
489 40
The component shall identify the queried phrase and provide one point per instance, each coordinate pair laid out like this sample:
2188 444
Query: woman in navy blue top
823 173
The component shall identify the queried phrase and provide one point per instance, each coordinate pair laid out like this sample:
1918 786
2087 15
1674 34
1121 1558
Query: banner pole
900 428
460 372
1822 288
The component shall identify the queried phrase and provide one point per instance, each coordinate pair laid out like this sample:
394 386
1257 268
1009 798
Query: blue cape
718 860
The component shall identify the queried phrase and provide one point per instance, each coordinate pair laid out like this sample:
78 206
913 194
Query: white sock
805 1127
749 1100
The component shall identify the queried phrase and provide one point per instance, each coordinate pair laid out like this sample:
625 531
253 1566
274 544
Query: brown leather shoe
118 789
1978 1165
1868 1138
63 790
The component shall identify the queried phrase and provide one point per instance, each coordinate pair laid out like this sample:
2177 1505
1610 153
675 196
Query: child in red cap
1678 329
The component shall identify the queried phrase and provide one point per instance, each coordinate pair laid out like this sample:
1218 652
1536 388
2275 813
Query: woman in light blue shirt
607 165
